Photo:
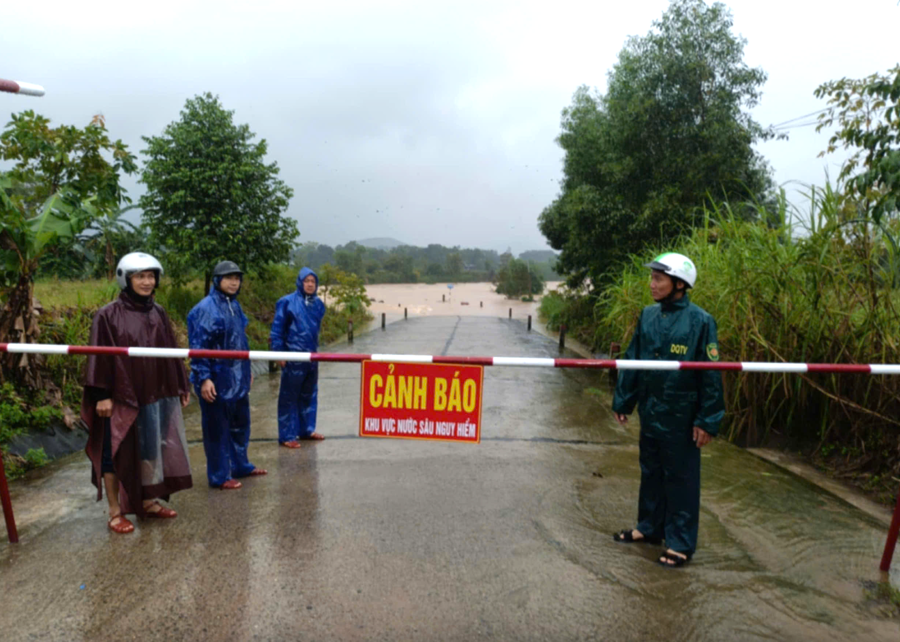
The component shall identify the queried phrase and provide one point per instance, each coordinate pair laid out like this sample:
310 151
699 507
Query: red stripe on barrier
836 368
113 350
711 365
10 86
343 358
584 363
218 354
471 361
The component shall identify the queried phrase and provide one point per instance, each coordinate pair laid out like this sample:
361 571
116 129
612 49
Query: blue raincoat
298 319
219 323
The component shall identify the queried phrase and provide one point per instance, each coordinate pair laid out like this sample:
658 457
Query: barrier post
891 542
350 331
11 531
562 337
383 320
405 313
529 323
510 313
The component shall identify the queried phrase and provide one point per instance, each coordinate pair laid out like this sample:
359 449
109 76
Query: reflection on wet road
355 539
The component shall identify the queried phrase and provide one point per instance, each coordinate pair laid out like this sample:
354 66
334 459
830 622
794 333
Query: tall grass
815 287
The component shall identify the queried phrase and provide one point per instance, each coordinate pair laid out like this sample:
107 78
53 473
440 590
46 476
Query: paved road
357 539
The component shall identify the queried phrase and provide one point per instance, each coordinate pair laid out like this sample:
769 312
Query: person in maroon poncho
132 406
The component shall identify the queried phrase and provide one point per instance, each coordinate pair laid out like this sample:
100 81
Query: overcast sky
429 122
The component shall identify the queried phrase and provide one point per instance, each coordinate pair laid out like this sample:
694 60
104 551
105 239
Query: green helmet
675 265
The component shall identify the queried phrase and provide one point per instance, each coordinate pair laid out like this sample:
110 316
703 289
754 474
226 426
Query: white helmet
136 262
675 265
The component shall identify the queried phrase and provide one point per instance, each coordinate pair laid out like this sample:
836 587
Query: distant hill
381 243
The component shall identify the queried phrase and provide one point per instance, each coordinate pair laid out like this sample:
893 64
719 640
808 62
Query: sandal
671 560
626 537
231 484
291 444
122 527
256 472
314 437
162 513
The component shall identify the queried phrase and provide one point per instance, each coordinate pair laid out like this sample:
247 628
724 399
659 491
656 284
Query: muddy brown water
358 539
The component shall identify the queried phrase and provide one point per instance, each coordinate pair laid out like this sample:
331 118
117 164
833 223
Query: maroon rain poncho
149 449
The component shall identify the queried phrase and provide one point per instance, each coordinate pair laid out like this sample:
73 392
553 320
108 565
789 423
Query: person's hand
622 419
185 399
701 437
105 408
208 391
281 364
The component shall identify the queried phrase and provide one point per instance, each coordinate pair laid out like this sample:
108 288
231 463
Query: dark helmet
227 267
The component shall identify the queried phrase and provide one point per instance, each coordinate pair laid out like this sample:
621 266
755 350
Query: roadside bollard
529 323
443 298
481 304
562 337
405 313
383 323
350 331
510 313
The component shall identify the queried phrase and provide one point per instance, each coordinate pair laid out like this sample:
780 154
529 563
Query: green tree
671 132
454 264
517 278
211 195
84 161
867 112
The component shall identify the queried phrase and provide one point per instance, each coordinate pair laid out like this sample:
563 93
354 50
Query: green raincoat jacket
672 402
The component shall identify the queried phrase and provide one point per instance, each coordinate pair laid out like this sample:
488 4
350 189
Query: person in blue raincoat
680 410
298 319
223 385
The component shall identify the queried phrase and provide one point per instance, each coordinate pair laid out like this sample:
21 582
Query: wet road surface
375 539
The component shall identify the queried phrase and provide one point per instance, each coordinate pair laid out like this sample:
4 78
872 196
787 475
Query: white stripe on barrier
29 88
635 364
409 358
174 353
37 348
882 368
266 355
524 361
762 366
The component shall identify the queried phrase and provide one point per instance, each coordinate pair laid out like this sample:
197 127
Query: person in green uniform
680 410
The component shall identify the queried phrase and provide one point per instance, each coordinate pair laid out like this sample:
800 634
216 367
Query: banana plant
26 235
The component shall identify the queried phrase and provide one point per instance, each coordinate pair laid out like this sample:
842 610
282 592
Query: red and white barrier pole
538 362
17 87
534 362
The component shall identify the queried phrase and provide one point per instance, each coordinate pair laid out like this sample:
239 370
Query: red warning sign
439 402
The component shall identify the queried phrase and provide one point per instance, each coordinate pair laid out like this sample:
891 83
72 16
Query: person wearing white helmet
132 406
680 410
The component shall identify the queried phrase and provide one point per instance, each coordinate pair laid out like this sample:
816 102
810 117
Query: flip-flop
123 527
162 513
314 437
626 537
291 444
676 560
256 472
231 484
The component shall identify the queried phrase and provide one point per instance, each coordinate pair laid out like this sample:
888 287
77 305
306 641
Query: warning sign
421 401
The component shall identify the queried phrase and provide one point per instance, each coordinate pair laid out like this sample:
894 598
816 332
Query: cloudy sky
429 122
